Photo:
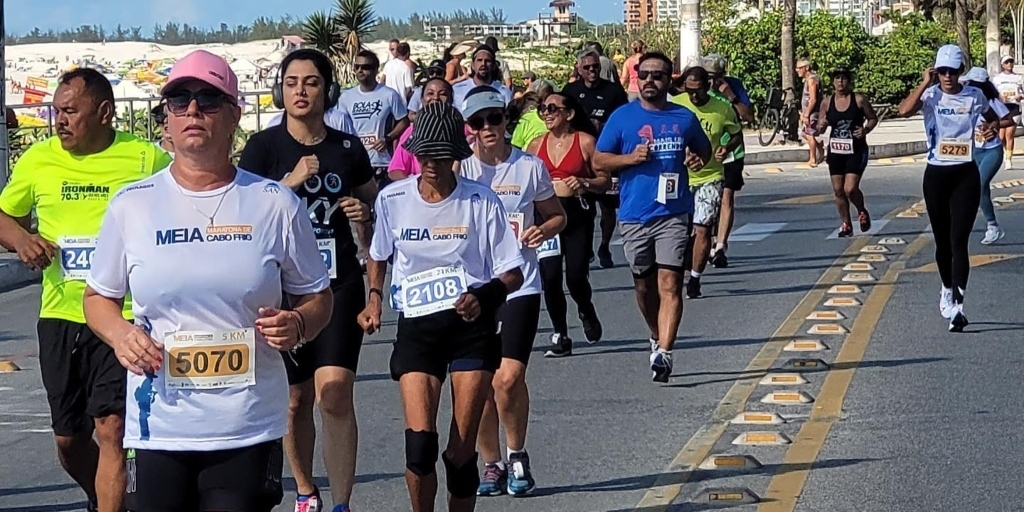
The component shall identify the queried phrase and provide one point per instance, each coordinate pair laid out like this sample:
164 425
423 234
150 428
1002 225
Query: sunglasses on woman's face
947 71
550 108
364 67
208 101
492 119
657 76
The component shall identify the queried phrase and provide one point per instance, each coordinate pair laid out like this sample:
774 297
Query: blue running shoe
493 482
520 480
661 365
341 508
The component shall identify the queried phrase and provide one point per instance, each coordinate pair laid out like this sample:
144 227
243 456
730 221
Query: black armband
490 295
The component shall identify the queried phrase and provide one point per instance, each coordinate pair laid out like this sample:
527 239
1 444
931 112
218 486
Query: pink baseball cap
206 67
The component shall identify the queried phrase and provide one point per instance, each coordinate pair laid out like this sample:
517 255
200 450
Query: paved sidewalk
892 138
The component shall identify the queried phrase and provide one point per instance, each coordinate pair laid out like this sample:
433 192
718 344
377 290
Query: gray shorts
659 243
707 202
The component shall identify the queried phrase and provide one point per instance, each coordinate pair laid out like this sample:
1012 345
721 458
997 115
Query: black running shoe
959 320
845 231
719 260
693 288
563 346
592 330
605 255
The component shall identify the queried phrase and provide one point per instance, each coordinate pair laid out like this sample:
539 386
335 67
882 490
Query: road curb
792 155
14 274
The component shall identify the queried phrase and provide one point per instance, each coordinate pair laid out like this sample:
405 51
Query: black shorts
339 343
517 325
734 175
839 165
239 480
443 342
82 377
605 200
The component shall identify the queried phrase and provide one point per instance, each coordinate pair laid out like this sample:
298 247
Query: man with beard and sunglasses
331 172
482 72
600 98
68 181
722 126
652 144
378 113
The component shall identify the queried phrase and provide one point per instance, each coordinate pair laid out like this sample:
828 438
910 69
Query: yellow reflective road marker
844 288
1017 195
1002 200
826 329
805 346
802 166
909 214
787 398
758 418
825 315
761 439
718 497
781 379
730 462
8 367
871 258
907 160
842 302
773 170
858 267
858 278
885 161
919 208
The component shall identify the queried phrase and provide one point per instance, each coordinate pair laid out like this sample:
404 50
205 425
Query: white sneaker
946 303
654 345
993 234
1008 164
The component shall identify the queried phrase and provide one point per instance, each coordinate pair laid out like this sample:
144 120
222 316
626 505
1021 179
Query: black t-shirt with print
344 166
600 101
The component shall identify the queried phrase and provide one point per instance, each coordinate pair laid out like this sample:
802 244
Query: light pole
689 33
5 157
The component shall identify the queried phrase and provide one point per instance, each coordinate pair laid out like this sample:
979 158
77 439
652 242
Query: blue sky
23 15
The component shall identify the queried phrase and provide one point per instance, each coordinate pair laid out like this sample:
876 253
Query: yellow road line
668 486
977 260
786 487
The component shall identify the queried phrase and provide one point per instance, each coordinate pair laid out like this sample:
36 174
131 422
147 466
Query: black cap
439 133
436 64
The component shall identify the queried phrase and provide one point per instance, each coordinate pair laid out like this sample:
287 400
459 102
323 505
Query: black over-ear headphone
332 91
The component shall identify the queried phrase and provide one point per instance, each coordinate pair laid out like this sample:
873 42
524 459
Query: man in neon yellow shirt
722 126
69 179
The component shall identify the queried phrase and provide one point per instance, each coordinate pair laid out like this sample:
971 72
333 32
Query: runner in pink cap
206 67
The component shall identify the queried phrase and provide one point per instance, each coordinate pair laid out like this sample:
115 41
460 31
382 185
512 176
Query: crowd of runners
195 311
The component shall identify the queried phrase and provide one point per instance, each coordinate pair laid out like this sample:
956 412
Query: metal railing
127 121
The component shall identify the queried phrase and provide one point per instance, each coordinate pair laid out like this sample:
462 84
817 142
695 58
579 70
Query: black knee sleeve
421 452
462 480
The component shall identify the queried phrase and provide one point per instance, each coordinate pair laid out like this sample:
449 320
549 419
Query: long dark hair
580 121
986 87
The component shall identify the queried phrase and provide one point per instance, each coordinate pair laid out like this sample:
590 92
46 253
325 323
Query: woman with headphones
335 115
330 170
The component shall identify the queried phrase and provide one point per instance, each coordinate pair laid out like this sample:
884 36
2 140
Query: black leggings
952 195
577 240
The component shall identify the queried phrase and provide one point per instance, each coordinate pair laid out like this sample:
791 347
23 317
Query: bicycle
777 115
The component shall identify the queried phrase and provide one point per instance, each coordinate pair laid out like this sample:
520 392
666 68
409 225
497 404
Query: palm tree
341 32
962 36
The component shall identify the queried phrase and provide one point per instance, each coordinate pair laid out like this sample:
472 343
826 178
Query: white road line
876 226
755 231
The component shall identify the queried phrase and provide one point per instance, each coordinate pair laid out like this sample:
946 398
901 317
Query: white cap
976 74
482 98
949 56
1005 58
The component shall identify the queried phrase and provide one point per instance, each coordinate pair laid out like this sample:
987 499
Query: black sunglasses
654 75
364 67
947 71
492 119
591 67
208 101
550 108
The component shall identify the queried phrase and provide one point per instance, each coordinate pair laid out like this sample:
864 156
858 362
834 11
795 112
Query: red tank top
572 163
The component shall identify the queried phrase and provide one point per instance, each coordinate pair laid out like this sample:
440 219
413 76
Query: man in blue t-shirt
651 145
732 89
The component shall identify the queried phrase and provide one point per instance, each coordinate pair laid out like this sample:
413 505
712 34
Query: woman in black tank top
851 117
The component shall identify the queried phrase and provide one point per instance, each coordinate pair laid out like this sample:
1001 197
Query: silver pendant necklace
196 208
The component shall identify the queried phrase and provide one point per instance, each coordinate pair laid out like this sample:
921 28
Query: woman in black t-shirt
330 170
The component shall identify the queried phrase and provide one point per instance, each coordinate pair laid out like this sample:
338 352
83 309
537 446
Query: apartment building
637 13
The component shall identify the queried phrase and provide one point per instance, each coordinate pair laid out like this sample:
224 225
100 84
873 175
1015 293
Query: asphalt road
925 422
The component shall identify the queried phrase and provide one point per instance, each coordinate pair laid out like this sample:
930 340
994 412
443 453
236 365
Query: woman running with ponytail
571 143
952 183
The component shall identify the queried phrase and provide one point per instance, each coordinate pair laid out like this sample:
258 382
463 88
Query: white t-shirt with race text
519 182
373 115
995 142
951 118
186 275
1009 85
468 228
